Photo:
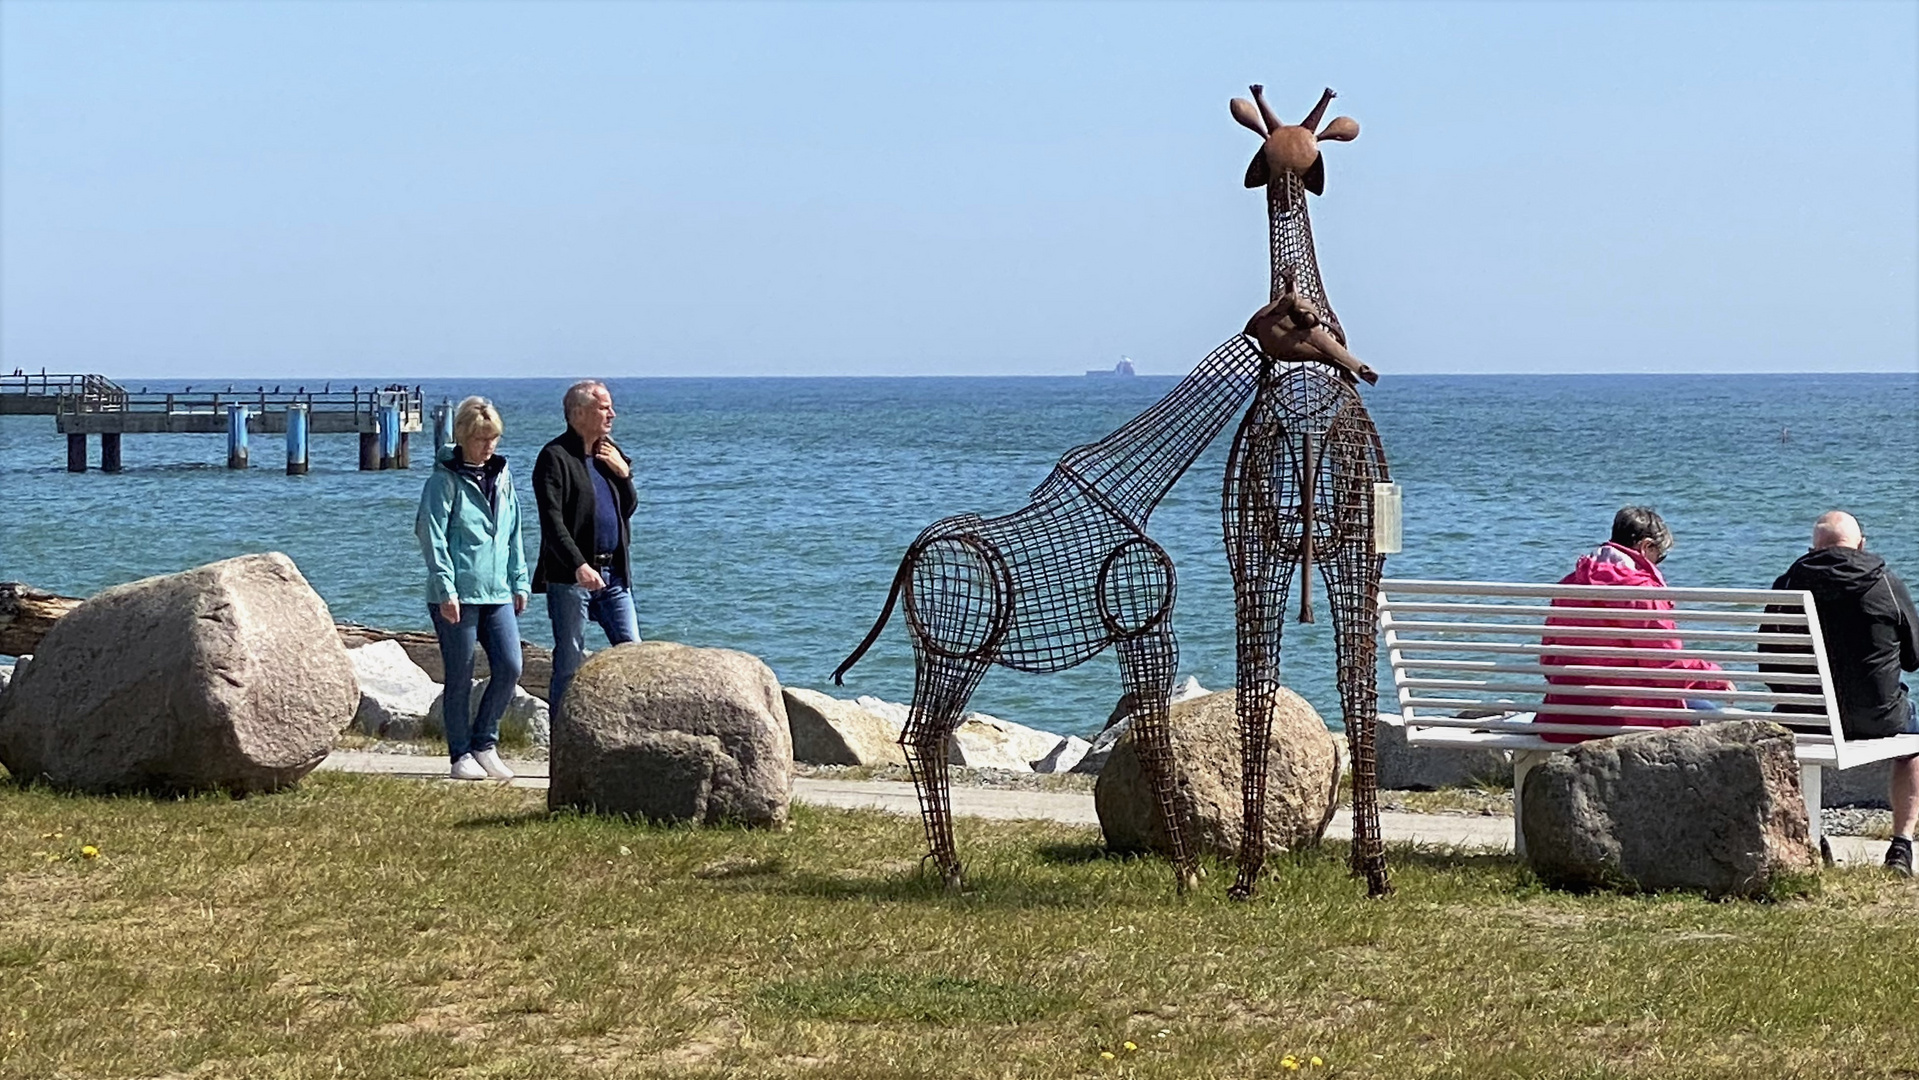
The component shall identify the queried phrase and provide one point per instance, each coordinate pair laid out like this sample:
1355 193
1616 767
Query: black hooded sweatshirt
1871 632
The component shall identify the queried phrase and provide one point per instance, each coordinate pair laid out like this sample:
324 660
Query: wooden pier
84 405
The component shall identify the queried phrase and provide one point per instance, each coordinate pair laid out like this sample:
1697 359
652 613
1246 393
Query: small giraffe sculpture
1299 489
1053 584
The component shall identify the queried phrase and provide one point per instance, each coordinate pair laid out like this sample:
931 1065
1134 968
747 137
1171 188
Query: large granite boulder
1428 768
1714 808
526 718
828 731
396 694
228 676
1302 780
674 733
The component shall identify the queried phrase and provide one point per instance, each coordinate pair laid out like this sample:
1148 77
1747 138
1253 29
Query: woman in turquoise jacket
476 583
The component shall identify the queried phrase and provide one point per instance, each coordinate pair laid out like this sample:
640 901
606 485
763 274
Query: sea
774 511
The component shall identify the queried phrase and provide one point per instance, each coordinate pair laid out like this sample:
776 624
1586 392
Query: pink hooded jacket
1613 564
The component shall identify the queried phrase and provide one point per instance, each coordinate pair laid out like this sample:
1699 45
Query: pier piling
442 424
236 436
76 453
110 451
297 414
369 451
389 432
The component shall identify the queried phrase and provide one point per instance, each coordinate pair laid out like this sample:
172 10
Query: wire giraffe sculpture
1055 583
1300 489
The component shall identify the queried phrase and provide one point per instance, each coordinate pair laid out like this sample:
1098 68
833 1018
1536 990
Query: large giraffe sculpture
1053 584
1300 489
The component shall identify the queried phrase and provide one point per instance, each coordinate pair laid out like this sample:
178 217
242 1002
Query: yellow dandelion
1106 1055
1317 1062
89 851
1290 1065
1131 1045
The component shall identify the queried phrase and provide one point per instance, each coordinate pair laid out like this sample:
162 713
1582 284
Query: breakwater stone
227 676
1302 780
1715 809
828 731
670 732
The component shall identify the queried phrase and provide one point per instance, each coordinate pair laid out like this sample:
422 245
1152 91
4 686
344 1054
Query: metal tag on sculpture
1054 583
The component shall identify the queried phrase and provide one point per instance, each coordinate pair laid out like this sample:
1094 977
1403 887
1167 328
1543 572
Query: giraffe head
1292 329
1290 148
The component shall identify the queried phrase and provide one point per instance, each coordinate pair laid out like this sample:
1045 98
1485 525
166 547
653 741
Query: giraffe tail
886 613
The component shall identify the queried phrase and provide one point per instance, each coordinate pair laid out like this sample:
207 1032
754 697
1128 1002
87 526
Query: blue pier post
442 424
389 434
297 439
236 436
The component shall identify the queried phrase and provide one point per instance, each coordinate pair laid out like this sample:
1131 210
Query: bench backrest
1479 649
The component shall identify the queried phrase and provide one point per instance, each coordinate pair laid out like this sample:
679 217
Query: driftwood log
27 613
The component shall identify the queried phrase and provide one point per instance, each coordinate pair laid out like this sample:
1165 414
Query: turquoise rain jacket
472 550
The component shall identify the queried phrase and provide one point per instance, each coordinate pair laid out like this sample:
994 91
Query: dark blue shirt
606 512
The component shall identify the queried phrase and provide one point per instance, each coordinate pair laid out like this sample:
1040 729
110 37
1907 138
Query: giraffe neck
1290 231
1132 469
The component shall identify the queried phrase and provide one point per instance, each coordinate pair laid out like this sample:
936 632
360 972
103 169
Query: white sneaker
489 759
468 769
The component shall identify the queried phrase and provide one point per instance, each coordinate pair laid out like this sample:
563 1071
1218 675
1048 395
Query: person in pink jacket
1640 541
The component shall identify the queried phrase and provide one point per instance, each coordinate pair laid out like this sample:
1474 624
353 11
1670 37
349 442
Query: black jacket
1871 632
564 491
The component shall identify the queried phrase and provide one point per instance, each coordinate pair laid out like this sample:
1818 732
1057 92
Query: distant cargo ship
1123 370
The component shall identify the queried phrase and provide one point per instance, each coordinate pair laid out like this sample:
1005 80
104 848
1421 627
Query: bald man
1872 634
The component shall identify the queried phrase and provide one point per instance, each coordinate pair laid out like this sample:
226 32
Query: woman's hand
450 610
519 602
611 457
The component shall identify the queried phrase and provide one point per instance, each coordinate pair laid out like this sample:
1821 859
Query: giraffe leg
940 693
1352 585
1147 664
1259 481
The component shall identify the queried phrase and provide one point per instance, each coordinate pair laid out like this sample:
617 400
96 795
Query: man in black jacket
1872 634
584 487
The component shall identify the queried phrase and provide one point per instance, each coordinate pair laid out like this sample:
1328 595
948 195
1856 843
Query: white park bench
1467 660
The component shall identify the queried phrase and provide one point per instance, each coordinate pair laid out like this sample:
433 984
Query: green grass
368 927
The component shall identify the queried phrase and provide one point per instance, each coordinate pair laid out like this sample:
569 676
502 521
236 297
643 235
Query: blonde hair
476 416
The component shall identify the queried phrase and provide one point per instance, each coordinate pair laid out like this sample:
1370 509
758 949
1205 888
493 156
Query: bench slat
1647 712
1677 615
1415 730
1790 678
1587 633
1403 644
1589 592
1678 693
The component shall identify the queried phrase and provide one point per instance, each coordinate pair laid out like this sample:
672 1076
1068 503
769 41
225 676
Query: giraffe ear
1258 173
1315 178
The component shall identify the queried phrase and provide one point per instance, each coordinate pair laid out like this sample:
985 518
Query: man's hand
588 578
519 603
611 457
450 611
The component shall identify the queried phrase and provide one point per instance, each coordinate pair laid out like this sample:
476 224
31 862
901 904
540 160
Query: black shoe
1899 856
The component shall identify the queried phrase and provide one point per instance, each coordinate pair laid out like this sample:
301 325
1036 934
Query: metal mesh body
1054 583
1299 492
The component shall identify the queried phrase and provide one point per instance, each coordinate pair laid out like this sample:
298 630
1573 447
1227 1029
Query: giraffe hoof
1241 891
955 883
1188 881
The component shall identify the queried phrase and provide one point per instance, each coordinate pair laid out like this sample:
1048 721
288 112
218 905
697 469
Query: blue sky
472 189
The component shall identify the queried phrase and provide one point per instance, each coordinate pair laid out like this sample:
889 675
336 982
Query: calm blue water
774 511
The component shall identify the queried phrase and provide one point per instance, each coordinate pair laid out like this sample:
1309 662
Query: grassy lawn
367 927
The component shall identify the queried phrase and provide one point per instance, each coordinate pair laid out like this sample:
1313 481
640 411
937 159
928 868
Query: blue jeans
569 606
495 628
